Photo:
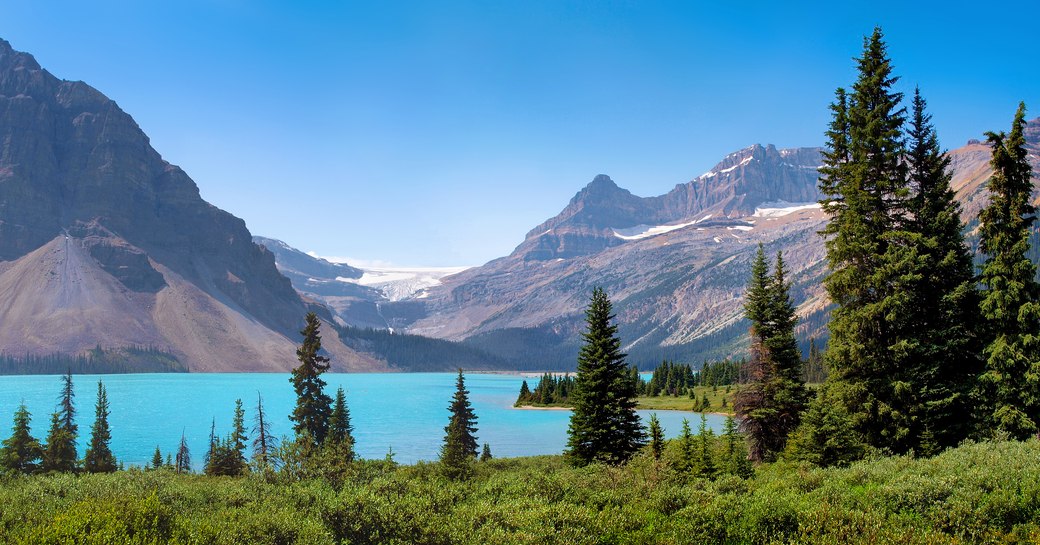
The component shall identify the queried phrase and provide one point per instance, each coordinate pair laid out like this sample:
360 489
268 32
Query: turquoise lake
403 411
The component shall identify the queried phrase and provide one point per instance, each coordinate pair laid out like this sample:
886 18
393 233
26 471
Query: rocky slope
675 265
104 242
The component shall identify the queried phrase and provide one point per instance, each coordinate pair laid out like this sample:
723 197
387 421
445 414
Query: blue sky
439 133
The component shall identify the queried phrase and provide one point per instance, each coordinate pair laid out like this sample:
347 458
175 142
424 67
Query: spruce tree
99 457
827 435
873 256
59 452
1010 387
21 452
704 463
604 426
313 406
656 437
157 459
940 347
771 402
460 443
340 429
238 438
685 460
485 453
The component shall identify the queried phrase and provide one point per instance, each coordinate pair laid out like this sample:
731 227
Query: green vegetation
770 404
978 493
130 359
99 457
604 425
1011 303
460 444
313 406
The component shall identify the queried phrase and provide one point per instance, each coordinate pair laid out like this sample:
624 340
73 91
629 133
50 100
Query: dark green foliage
771 402
238 433
720 373
656 437
704 458
157 459
485 453
460 443
313 406
550 390
340 429
814 371
827 436
227 456
670 378
1010 386
21 452
604 426
685 461
734 456
59 452
264 442
182 463
130 359
939 348
415 353
99 457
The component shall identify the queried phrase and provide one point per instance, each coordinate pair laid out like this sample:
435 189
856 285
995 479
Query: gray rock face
733 188
74 166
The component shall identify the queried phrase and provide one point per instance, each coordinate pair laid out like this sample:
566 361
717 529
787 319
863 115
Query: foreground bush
978 493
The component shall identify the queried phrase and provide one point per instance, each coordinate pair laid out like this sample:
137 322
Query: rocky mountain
103 243
675 265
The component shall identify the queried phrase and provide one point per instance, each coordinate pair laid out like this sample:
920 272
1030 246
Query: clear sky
439 133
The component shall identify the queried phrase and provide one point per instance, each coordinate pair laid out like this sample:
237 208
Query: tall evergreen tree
940 347
211 449
604 425
313 406
875 257
59 452
685 460
1010 385
21 452
770 404
704 458
340 429
238 437
485 453
264 443
99 457
182 464
460 443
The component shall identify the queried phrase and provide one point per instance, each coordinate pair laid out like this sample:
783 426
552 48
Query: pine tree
59 452
237 440
99 457
21 452
827 436
211 449
872 251
525 395
1010 385
685 461
183 461
313 406
264 443
157 459
485 453
460 443
771 403
940 345
604 425
340 429
656 437
735 460
704 463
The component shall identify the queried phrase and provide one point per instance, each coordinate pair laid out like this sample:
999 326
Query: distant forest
130 359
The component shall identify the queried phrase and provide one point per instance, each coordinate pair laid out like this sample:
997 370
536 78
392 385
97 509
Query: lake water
403 411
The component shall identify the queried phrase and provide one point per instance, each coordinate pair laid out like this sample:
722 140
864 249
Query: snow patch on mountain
782 208
647 231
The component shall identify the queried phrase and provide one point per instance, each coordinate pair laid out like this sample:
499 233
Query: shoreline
537 408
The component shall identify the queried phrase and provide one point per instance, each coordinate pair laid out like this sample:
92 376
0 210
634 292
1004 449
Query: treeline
550 390
417 353
97 361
